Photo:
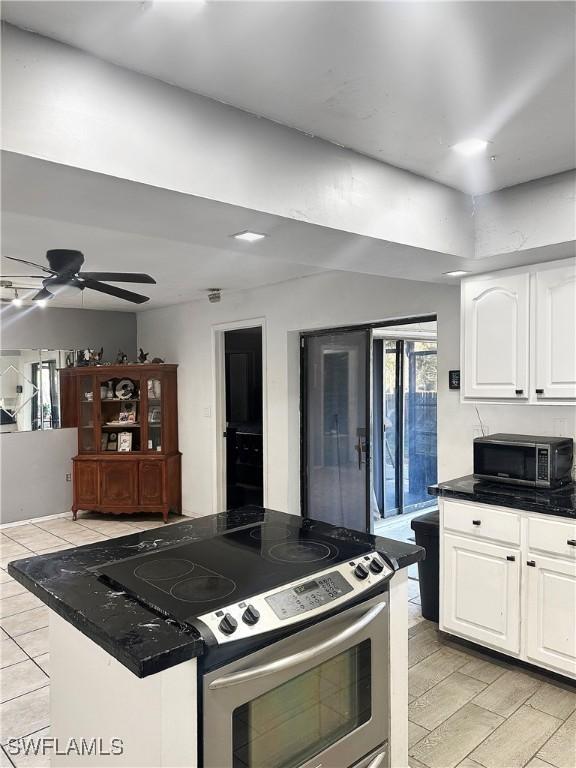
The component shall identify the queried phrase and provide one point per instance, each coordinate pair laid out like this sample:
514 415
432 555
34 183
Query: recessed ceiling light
249 237
470 147
41 303
456 273
16 301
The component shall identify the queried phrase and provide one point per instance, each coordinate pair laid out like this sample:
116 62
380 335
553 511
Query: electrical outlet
207 412
68 477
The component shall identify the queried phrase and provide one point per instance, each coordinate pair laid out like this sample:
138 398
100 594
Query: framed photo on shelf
127 413
124 442
112 441
155 416
104 441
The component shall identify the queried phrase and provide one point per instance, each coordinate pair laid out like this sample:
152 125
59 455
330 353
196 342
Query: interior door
335 430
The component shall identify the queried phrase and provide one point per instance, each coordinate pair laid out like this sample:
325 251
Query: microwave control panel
543 463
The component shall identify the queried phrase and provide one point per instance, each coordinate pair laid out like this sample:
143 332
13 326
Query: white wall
185 332
68 107
33 465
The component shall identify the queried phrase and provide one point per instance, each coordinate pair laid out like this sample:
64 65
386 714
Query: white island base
95 698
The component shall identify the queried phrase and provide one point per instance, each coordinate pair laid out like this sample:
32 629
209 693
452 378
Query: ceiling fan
64 270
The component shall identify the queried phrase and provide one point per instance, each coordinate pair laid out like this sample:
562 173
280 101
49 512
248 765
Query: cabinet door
86 484
551 613
118 483
151 483
556 332
496 336
481 592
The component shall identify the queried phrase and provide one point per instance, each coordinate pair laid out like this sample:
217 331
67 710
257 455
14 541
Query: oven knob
361 572
376 566
228 624
251 615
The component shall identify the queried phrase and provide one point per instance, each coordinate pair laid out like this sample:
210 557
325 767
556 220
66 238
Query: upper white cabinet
519 334
496 336
555 291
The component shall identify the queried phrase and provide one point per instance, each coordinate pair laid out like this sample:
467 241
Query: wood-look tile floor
466 710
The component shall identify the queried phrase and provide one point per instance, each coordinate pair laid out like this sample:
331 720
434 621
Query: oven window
517 462
304 716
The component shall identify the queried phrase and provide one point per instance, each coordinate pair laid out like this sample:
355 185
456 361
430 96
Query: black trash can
427 530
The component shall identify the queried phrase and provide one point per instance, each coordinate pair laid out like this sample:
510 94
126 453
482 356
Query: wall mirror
30 388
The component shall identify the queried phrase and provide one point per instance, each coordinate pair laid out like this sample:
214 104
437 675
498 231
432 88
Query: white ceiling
184 241
399 81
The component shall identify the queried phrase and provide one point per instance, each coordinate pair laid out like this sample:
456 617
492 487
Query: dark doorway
243 371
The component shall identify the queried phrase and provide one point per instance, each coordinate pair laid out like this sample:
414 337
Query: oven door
316 699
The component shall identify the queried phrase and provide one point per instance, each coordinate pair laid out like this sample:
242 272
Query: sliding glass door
335 429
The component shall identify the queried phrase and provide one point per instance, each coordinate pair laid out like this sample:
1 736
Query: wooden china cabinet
127 418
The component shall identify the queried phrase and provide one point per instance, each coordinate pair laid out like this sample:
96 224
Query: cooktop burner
301 552
185 580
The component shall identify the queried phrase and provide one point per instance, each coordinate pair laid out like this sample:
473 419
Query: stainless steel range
295 623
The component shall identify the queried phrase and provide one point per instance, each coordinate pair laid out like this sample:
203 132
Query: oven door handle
298 658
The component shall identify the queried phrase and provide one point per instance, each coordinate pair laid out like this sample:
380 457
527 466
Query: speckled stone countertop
137 637
559 501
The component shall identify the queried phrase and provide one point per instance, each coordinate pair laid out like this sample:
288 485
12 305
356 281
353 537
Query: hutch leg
74 513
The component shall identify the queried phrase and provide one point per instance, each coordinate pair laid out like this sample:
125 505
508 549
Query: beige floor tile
481 669
20 532
5 577
59 548
84 536
24 715
10 653
560 749
35 643
451 742
414 615
21 678
9 606
413 763
415 733
37 538
469 763
26 758
11 588
508 692
422 626
430 671
555 701
44 662
443 700
25 622
517 740
537 763
422 645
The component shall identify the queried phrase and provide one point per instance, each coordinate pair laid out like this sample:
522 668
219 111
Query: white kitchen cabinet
516 595
551 612
555 332
481 588
496 336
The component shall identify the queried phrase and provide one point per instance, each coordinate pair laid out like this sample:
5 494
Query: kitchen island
121 670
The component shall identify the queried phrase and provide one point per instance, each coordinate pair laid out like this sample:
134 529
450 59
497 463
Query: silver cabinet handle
378 761
297 658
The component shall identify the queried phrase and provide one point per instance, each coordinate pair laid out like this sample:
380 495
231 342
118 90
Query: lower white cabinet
482 592
513 599
551 612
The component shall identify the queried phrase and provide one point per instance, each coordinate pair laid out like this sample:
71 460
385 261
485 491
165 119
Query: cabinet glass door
86 420
155 414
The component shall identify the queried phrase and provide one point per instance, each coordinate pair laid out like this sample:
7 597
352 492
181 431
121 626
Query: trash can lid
429 523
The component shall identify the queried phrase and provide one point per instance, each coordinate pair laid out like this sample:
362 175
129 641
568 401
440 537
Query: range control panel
302 599
312 594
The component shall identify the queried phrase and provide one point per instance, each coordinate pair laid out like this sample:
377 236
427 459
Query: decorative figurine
157 360
121 358
96 357
70 361
142 356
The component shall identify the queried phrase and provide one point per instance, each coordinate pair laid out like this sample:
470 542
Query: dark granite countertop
560 501
142 640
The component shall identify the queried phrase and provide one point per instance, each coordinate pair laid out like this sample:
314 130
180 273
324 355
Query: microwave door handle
287 662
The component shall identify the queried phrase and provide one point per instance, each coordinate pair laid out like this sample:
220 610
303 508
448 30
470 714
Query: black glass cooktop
188 580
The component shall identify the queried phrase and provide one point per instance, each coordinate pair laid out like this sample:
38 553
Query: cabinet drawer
552 536
482 522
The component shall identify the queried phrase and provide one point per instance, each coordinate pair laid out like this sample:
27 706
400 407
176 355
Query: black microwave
541 462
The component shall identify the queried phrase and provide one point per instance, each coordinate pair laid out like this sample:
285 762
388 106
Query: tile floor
465 710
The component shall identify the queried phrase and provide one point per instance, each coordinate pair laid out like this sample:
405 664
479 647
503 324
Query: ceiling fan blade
111 290
32 264
23 277
119 277
42 295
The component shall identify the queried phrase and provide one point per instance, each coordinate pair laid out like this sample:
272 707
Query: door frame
219 401
370 328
